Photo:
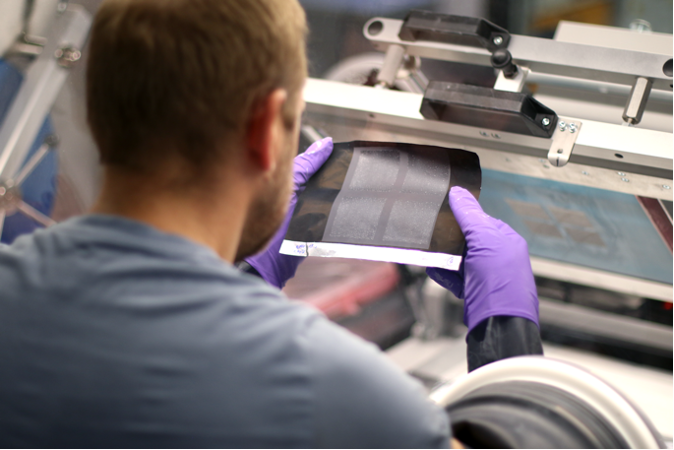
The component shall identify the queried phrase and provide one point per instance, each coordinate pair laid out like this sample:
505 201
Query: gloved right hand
495 278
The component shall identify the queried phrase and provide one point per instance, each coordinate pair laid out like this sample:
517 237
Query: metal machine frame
616 156
42 83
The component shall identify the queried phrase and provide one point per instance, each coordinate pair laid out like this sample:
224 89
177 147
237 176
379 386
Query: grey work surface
114 334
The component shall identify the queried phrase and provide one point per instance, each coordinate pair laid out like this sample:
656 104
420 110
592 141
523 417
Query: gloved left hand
275 268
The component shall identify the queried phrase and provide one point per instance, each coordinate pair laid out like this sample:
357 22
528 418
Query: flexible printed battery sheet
384 202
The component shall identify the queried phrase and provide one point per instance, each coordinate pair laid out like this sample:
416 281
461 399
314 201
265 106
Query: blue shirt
115 334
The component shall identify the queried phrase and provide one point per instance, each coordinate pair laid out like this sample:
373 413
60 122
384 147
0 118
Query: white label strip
385 254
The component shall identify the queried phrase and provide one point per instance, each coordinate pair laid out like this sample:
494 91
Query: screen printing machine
574 138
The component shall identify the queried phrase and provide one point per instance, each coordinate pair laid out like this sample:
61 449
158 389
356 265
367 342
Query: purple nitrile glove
496 277
274 267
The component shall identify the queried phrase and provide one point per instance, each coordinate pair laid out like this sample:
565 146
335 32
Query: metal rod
392 63
636 103
35 214
31 164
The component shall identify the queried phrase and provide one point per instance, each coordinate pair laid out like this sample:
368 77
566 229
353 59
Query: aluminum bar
540 55
600 279
583 319
604 154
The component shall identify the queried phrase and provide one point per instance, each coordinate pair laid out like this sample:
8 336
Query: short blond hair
183 76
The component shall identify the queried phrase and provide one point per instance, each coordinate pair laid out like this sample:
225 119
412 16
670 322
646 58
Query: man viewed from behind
198 96
131 327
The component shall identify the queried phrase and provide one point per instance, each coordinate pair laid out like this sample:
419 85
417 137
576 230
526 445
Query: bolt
67 56
622 174
484 133
498 40
626 180
666 187
545 121
572 127
562 125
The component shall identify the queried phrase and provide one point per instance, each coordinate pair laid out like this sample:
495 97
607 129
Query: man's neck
213 218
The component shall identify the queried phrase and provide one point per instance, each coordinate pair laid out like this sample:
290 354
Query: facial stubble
269 209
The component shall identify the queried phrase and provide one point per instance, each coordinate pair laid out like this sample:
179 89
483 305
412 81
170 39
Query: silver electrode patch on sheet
389 198
384 201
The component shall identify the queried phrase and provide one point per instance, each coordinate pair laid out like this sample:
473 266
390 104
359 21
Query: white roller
605 399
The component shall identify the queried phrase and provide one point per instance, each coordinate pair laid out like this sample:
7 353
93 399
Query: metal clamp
563 140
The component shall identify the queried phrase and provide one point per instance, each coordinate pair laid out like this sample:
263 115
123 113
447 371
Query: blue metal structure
39 187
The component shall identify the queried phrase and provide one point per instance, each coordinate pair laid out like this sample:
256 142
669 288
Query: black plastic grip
451 29
511 112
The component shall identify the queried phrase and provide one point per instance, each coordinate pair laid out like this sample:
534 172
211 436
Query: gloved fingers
508 231
311 160
468 212
504 228
450 280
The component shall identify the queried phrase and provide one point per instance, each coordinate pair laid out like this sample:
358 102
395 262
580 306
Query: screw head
498 40
560 150
484 133
622 174
625 180
562 125
666 187
545 121
584 173
572 127
496 135
67 56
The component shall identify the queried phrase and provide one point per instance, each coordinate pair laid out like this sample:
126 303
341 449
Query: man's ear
263 131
